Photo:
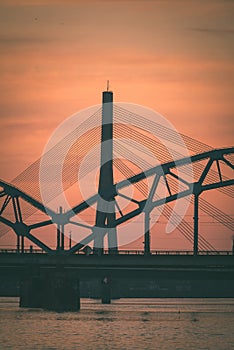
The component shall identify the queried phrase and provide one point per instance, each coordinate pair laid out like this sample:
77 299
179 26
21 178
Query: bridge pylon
105 213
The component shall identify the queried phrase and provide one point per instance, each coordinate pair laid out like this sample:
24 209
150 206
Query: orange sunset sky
174 56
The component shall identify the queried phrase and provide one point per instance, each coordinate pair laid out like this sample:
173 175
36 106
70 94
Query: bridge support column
31 290
53 290
196 218
147 234
62 292
106 291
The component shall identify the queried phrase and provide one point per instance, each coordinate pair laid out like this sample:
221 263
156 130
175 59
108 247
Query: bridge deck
129 261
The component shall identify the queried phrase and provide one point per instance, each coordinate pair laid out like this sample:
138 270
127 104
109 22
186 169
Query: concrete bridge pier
51 290
31 291
106 291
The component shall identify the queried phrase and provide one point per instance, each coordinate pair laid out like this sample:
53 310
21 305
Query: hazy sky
174 56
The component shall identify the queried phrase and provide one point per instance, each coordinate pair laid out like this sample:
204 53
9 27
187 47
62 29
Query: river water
125 324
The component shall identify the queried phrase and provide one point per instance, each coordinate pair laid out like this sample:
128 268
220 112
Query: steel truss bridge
13 196
207 165
53 280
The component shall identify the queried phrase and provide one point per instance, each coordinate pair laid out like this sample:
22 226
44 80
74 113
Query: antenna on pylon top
108 85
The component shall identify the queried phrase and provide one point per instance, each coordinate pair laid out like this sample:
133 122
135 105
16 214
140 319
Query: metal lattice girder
211 156
14 195
148 203
164 170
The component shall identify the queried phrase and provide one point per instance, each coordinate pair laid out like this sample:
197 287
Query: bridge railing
172 252
124 252
26 251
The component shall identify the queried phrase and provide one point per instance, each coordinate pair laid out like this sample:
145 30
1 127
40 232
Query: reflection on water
125 324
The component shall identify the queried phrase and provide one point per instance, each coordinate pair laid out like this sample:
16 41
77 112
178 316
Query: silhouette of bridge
13 195
182 177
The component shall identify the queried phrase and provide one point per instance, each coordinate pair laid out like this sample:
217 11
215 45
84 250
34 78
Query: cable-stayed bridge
126 188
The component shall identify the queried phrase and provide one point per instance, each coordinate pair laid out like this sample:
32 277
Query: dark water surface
125 324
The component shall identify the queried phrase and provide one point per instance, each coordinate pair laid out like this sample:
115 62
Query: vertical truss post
195 218
147 233
18 243
70 240
61 230
62 237
148 208
58 237
22 244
